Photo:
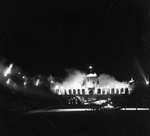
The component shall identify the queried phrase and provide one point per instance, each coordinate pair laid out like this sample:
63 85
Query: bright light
51 81
8 70
8 81
37 82
25 83
147 82
92 75
61 87
56 87
108 106
90 67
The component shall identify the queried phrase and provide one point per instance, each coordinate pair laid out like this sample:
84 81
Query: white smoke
74 79
107 80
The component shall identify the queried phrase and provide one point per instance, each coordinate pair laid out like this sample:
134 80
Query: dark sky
47 36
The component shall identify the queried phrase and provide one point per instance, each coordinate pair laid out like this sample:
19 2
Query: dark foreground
97 123
20 115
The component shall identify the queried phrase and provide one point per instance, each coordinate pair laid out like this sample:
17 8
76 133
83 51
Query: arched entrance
91 91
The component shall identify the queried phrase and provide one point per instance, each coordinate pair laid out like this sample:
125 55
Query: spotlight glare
8 81
37 82
56 87
90 67
8 70
25 83
147 82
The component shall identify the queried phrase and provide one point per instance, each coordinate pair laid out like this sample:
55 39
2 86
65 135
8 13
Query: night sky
48 36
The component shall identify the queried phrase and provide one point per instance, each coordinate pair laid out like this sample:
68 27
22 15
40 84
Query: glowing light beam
8 81
25 83
147 82
37 82
8 70
90 67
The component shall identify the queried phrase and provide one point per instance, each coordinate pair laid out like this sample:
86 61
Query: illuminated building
92 88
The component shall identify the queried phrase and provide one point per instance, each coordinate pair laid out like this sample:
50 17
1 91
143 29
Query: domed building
92 87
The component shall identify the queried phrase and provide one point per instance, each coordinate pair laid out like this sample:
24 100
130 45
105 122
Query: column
67 91
109 90
115 90
119 90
